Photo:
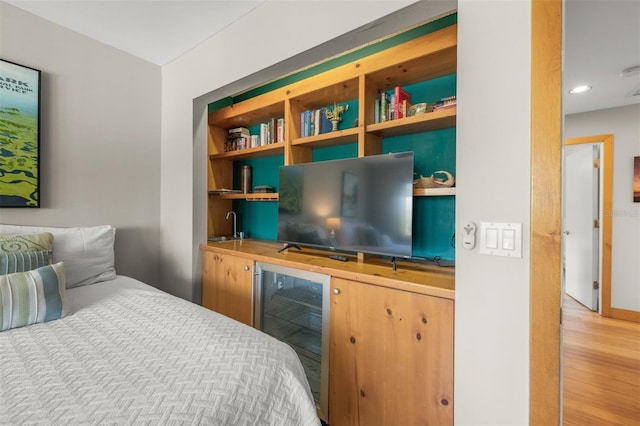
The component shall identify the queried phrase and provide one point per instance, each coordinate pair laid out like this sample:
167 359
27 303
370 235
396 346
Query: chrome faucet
235 233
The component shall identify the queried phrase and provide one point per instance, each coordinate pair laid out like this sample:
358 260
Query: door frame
606 203
546 199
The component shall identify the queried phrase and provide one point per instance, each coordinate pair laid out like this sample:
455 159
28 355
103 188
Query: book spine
280 132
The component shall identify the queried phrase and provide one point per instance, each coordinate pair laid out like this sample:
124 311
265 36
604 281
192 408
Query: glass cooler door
293 306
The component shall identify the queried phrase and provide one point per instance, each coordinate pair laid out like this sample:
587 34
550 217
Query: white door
581 232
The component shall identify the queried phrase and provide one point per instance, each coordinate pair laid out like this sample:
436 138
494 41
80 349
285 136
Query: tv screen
362 204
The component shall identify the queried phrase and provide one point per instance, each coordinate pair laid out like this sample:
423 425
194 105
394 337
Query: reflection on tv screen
354 205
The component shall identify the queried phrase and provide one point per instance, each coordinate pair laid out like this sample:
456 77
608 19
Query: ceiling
602 37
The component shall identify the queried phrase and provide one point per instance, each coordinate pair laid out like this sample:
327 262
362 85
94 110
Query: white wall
493 154
624 124
492 293
90 138
100 137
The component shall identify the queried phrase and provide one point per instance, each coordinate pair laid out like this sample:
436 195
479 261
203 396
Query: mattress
131 354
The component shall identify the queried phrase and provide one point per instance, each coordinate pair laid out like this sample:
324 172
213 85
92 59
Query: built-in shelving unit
358 83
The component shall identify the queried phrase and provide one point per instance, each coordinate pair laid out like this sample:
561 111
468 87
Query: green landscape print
19 109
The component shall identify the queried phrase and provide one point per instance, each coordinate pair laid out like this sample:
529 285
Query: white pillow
87 252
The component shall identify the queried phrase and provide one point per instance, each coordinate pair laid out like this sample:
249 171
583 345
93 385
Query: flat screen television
362 204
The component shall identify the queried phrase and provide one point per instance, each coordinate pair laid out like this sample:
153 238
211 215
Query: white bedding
130 354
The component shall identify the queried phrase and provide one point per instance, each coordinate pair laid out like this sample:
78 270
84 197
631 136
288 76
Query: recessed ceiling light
580 89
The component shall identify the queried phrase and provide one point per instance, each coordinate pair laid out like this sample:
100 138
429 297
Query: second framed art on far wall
19 135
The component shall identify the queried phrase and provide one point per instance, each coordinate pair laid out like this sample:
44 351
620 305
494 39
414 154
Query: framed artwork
19 135
636 179
349 195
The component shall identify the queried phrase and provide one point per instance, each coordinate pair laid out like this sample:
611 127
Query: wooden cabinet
390 332
227 285
359 82
391 356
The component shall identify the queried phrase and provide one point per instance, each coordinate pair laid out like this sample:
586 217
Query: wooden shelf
273 196
339 137
268 196
434 192
260 151
359 82
442 119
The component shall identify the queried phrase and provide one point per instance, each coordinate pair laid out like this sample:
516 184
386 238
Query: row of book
392 105
270 132
395 104
314 122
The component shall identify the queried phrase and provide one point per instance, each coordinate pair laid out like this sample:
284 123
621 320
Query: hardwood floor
600 368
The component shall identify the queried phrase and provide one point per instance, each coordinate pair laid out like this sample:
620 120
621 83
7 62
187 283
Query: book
385 100
400 98
280 130
242 130
264 133
324 123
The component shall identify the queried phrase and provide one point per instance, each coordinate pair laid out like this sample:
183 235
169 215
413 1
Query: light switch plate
509 239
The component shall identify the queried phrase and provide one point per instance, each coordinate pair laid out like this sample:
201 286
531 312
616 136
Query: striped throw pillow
32 297
23 261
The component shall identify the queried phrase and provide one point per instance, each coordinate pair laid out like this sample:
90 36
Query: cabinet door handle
336 291
246 267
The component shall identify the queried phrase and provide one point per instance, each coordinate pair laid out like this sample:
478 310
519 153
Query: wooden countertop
431 280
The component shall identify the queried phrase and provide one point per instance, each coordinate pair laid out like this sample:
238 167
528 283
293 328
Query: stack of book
237 138
445 103
314 122
271 131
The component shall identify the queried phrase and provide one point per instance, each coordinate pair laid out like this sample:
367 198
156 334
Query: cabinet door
391 356
227 285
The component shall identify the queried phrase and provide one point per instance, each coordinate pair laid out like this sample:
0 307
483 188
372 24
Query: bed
123 352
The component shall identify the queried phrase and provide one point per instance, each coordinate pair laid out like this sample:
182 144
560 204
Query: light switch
501 239
508 239
492 238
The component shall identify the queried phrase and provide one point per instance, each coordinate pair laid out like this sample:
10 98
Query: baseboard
624 314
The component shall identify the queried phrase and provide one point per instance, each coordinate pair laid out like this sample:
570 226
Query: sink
222 239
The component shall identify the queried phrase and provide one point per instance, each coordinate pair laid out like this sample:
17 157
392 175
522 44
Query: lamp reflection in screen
333 223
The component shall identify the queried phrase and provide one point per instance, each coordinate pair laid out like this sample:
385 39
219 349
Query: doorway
579 260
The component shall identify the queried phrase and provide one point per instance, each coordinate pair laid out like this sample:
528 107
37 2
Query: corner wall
100 137
493 180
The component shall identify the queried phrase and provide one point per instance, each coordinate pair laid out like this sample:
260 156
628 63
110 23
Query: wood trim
625 314
607 219
545 245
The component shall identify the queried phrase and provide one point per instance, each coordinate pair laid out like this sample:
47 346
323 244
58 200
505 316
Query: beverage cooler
293 306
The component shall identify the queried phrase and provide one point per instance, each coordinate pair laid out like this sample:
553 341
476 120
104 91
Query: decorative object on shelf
335 115
245 173
434 182
20 153
419 108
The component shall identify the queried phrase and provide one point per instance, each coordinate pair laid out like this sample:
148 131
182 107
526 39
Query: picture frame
19 135
349 195
636 179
